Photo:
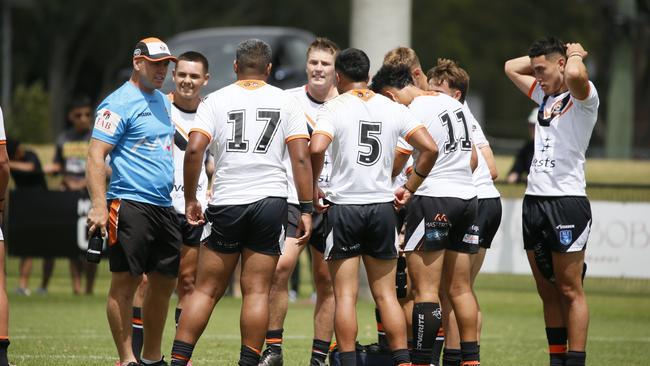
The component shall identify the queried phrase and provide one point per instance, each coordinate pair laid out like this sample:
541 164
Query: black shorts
436 223
143 238
259 226
191 234
318 232
561 224
355 230
488 219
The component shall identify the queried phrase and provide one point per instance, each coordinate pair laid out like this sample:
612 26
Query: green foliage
30 119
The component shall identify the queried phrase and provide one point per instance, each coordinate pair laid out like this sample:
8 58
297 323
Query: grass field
61 329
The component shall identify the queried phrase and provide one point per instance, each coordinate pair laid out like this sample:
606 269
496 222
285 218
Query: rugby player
362 129
133 125
320 87
407 56
4 303
449 78
190 75
439 215
248 126
556 211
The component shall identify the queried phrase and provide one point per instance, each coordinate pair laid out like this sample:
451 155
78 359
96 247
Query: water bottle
400 280
95 245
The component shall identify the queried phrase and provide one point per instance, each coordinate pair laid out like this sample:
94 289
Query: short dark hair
547 46
12 148
253 54
455 75
325 44
194 56
79 101
353 63
396 76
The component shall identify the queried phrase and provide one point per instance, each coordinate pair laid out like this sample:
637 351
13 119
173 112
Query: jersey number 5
369 141
238 119
452 143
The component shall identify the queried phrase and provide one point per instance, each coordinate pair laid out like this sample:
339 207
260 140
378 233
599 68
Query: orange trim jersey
310 107
364 128
249 124
445 119
183 121
562 135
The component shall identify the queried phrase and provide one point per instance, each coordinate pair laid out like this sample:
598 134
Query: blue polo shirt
139 127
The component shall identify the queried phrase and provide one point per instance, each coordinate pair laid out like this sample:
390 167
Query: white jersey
445 120
482 178
183 121
3 141
561 141
310 107
364 128
249 123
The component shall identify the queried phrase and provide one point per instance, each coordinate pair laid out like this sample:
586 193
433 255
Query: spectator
70 162
519 171
27 174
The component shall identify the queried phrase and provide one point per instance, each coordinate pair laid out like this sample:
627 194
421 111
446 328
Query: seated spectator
520 168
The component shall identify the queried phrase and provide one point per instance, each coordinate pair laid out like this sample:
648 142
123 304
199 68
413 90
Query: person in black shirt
70 161
27 173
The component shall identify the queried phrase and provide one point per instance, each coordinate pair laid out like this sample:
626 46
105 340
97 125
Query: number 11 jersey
449 127
364 128
249 123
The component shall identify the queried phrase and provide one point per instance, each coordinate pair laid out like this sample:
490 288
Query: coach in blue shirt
133 125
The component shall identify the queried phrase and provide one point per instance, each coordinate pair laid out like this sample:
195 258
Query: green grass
62 329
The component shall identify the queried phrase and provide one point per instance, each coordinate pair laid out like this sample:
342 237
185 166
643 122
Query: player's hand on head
575 48
97 219
194 213
303 232
402 196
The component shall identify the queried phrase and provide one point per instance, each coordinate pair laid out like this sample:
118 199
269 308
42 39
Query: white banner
618 246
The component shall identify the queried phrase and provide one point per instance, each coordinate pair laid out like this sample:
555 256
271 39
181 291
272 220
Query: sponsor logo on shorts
470 239
560 227
440 217
227 245
351 248
438 313
566 237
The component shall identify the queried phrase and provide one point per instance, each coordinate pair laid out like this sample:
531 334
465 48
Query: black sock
575 358
249 356
451 357
274 340
557 338
4 344
319 350
469 353
181 353
348 358
177 316
427 319
381 335
401 357
437 347
137 337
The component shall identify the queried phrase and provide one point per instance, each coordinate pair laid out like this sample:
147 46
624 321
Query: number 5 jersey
364 128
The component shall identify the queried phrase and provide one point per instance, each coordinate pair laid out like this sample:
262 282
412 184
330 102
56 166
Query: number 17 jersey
249 123
364 128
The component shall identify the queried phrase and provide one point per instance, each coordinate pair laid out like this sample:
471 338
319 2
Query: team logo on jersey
107 121
566 237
